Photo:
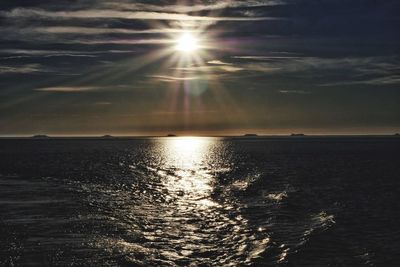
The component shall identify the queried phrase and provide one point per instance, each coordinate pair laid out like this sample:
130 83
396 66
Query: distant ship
297 134
171 135
107 136
397 134
250 135
40 136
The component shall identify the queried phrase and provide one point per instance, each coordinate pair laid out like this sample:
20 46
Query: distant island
297 134
40 136
397 134
250 135
107 136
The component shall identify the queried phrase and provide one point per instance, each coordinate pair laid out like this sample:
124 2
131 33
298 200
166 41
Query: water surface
200 202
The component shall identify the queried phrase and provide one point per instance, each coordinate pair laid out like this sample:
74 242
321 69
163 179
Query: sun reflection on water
185 158
186 152
176 216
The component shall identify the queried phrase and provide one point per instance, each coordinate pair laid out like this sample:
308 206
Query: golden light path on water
191 226
188 202
174 219
192 180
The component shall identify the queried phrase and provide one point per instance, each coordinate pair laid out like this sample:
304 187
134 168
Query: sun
187 43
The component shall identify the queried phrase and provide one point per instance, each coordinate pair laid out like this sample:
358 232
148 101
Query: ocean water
180 201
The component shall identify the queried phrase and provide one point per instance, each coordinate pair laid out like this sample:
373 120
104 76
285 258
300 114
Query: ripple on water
198 229
182 202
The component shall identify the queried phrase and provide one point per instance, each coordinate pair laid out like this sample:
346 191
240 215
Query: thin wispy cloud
83 88
68 89
113 14
123 41
193 8
361 65
212 68
166 78
10 54
228 67
168 112
96 31
298 92
94 36
103 103
23 69
264 58
52 55
386 80
35 52
218 62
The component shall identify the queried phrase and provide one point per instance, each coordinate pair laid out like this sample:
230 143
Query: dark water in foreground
200 202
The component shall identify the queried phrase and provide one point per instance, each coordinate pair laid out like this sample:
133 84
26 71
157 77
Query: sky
94 67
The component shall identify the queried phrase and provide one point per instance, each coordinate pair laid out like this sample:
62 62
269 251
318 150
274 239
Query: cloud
355 65
299 92
114 14
20 53
218 62
103 103
215 68
32 53
228 67
168 112
35 52
352 70
53 55
96 30
265 58
28 68
68 89
387 80
373 70
193 8
81 35
78 88
394 79
122 41
166 78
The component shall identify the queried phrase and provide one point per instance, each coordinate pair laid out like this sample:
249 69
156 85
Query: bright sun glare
187 43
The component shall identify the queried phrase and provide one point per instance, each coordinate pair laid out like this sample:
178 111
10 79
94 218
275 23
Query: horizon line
251 135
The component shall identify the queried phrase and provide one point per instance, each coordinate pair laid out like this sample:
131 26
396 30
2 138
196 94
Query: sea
200 201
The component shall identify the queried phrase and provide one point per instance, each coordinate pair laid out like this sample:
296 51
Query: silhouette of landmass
297 134
40 136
